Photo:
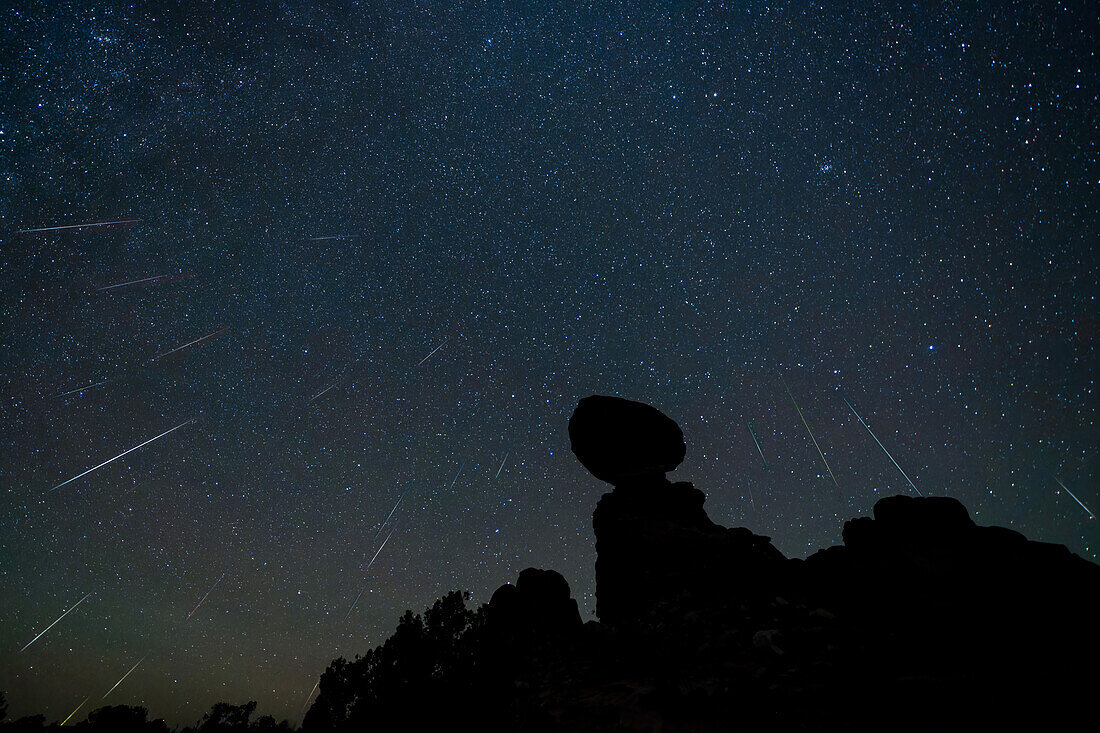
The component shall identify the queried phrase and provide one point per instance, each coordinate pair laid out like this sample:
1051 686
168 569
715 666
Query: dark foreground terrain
920 621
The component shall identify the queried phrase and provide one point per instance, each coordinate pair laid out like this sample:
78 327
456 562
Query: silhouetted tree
227 718
121 719
28 724
267 724
430 658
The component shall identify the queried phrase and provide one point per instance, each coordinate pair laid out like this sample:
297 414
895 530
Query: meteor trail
437 348
308 697
503 461
880 445
751 500
76 227
1091 515
352 606
390 515
819 451
154 278
55 622
200 339
756 440
460 467
399 500
326 389
81 389
66 720
203 599
120 455
124 677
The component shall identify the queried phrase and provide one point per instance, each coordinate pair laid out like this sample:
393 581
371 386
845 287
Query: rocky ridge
921 621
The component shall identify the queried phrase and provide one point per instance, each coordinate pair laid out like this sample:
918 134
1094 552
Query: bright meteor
1091 515
124 677
199 340
437 348
143 280
203 599
120 455
78 227
880 445
819 451
66 720
309 697
376 554
55 622
80 389
460 467
397 504
752 432
326 389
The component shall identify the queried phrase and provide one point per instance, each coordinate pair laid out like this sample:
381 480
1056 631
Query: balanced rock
657 550
624 442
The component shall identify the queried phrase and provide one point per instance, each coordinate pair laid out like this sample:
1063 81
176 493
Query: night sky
416 233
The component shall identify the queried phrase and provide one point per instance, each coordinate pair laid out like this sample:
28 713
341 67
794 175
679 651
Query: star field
676 203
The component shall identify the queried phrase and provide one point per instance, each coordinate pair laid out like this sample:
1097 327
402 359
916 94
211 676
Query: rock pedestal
659 556
657 548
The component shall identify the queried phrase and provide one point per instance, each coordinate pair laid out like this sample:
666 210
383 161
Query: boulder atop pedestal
624 442
657 550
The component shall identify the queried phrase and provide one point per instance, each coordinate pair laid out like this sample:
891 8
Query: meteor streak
309 697
390 515
880 445
752 432
124 677
66 720
503 461
120 455
203 599
361 590
326 389
819 451
1091 515
200 339
55 623
80 389
460 467
437 348
399 500
77 227
143 280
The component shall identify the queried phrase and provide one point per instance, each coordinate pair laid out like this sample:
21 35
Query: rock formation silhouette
921 621
657 549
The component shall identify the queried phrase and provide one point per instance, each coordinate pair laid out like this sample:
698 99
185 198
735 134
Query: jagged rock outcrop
928 582
918 601
537 606
921 621
657 551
